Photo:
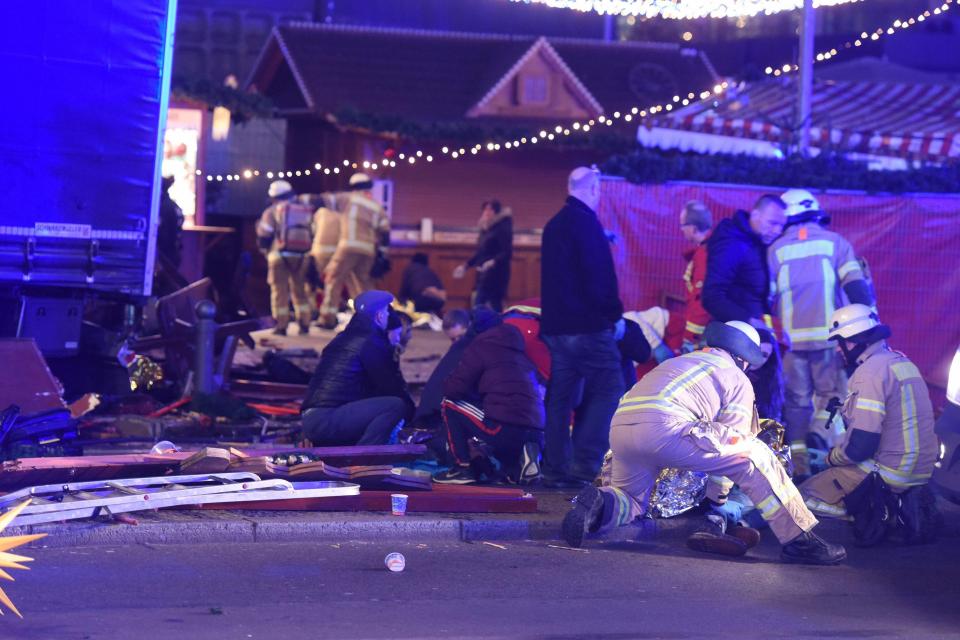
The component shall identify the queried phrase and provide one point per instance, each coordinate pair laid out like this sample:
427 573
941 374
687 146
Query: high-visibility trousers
641 451
811 379
346 268
287 277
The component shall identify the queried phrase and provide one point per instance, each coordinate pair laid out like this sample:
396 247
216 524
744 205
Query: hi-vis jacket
809 265
696 316
363 220
692 391
887 395
326 223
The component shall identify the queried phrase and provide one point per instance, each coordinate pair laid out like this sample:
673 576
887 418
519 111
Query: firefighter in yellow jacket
811 269
696 412
363 227
285 235
887 412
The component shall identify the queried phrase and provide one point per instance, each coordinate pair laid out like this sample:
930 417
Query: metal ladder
58 502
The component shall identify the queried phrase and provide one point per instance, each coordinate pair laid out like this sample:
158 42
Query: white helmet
279 188
801 202
857 323
359 178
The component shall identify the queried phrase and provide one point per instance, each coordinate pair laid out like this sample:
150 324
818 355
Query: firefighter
363 227
326 224
811 269
888 415
695 412
285 235
695 224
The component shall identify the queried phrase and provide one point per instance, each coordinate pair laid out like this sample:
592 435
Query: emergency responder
285 234
326 225
695 412
887 412
695 224
363 227
810 270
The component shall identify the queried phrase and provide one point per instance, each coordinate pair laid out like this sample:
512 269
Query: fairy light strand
684 9
420 156
880 32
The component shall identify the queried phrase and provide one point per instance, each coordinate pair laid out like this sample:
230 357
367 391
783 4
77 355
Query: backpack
294 227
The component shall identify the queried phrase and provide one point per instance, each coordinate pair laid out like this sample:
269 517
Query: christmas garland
465 132
243 106
826 171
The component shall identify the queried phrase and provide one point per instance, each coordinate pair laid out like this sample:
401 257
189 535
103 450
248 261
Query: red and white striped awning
915 121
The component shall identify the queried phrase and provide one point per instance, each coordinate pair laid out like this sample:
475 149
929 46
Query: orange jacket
696 272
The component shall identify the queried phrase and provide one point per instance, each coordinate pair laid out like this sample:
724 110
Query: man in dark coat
581 323
357 394
737 286
493 394
492 259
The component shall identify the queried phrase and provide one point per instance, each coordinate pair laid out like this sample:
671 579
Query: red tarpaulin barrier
912 243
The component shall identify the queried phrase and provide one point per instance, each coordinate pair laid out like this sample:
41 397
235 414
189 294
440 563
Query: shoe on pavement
747 535
530 464
583 517
328 322
279 331
809 548
710 538
456 475
305 329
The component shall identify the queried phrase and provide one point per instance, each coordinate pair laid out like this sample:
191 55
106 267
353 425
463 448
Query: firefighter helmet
737 338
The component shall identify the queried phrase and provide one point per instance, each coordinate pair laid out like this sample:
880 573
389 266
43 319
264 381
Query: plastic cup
398 503
395 562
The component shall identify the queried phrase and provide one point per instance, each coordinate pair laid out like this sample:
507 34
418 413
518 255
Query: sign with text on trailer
81 142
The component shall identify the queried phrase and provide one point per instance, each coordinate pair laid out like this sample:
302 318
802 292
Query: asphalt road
528 590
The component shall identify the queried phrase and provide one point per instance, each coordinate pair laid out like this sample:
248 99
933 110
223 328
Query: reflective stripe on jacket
887 395
809 266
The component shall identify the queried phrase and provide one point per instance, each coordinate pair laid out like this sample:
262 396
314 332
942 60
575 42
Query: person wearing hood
696 412
493 394
493 255
888 415
737 285
811 270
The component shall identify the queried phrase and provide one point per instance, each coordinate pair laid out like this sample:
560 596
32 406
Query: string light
879 32
410 158
684 9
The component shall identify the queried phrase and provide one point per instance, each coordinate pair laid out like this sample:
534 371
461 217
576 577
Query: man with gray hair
581 321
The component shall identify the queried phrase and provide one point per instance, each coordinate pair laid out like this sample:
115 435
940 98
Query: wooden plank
443 499
26 472
28 384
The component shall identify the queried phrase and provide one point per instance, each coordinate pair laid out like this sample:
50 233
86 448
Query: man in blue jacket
581 322
737 286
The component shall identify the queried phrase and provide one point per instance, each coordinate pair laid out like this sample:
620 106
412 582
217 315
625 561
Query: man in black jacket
737 286
492 259
357 394
421 285
580 323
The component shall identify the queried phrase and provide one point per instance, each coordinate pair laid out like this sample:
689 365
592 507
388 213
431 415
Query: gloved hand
688 347
662 352
619 329
731 510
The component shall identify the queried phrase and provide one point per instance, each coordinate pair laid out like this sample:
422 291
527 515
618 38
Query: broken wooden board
206 460
318 471
388 477
443 499
27 472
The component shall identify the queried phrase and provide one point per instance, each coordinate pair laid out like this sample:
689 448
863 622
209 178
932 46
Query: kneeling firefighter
888 417
696 412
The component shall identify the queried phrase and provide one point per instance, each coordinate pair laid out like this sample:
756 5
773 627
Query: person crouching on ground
357 395
493 395
695 412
